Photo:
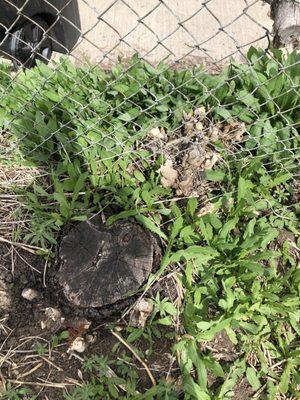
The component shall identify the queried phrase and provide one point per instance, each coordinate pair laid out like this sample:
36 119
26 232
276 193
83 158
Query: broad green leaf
285 378
170 309
125 117
214 176
252 378
177 226
165 321
63 204
203 254
79 186
79 218
228 227
53 96
223 112
203 325
139 176
121 215
193 389
192 206
135 335
215 367
149 224
280 179
244 187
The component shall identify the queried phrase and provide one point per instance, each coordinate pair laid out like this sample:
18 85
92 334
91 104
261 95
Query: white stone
29 294
78 345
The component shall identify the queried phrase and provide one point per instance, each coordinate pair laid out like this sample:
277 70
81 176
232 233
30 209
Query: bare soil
28 357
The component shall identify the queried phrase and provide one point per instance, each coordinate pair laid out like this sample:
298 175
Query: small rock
234 132
194 158
144 305
82 323
78 345
186 184
7 277
29 294
140 313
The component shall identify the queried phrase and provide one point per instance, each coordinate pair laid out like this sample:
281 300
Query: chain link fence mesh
103 105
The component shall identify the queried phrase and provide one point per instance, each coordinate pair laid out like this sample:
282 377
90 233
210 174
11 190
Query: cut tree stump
101 265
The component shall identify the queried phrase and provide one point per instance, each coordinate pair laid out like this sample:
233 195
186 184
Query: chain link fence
179 82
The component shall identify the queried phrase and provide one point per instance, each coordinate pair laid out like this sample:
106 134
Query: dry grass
22 362
13 179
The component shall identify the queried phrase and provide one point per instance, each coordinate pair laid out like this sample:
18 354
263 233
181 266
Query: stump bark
286 16
101 265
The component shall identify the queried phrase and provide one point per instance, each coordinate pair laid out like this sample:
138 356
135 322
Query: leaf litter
192 150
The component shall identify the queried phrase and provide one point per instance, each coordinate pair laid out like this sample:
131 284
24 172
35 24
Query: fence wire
104 103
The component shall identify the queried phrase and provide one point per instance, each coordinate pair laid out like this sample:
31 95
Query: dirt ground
174 30
31 357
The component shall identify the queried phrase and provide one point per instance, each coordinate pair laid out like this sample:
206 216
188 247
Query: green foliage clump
84 123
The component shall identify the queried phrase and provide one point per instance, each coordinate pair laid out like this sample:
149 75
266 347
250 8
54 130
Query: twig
12 261
45 272
27 263
51 363
278 364
23 246
136 356
73 381
258 393
56 385
31 371
293 245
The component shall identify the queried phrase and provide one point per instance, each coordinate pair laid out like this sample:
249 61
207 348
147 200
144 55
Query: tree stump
101 265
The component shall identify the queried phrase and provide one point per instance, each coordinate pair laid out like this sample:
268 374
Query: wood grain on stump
100 265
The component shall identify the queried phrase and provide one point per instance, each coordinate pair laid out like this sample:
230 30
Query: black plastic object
32 29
